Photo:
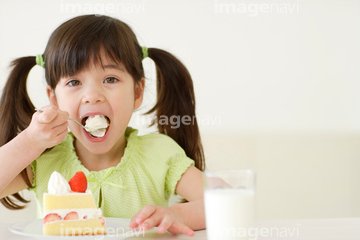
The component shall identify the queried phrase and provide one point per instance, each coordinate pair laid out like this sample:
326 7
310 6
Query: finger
48 107
145 213
58 125
62 135
181 228
133 223
141 215
59 138
60 129
47 115
149 224
164 225
61 118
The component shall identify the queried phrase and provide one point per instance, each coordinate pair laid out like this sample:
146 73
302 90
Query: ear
139 93
51 95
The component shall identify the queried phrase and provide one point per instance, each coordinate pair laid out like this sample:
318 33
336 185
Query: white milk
229 213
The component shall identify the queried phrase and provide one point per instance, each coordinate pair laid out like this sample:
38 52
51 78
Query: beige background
297 176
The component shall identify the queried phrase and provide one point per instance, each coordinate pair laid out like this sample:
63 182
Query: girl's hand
165 219
47 128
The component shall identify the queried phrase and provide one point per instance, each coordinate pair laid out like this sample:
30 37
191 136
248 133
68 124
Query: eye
73 83
111 80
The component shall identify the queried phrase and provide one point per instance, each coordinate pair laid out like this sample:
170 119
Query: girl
93 66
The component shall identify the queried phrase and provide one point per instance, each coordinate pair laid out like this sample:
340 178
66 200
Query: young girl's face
107 90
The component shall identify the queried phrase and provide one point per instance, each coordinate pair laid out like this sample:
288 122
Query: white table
299 229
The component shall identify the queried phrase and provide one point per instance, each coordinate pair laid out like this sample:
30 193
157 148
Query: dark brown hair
70 49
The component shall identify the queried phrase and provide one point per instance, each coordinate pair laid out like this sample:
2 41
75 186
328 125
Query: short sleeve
177 167
33 168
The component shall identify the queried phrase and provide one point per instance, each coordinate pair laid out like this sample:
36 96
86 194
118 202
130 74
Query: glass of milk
229 197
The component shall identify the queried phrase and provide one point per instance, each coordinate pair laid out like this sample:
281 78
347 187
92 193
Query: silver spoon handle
40 111
78 124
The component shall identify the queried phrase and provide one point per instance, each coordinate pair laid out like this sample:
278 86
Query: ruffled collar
131 135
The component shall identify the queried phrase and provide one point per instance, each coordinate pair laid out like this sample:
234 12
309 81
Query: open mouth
96 125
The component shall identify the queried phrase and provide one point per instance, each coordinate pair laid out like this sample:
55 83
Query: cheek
60 101
123 105
66 103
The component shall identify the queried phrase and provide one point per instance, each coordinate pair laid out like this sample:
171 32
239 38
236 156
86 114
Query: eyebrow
114 66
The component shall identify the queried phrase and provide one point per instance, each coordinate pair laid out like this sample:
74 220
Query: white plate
116 228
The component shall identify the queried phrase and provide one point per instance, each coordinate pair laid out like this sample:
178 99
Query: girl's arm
17 184
15 156
191 188
179 218
45 130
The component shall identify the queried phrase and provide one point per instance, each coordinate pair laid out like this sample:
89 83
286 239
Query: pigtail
176 98
16 110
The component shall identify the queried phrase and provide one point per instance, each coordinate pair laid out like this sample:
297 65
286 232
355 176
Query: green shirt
147 173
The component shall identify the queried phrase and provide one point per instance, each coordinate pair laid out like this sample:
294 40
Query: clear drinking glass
229 197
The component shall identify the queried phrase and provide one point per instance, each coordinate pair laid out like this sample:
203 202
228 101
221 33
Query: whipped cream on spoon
95 125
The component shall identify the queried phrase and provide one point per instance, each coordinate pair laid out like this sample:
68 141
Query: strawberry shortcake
69 208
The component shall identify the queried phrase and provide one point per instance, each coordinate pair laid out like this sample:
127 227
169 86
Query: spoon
40 111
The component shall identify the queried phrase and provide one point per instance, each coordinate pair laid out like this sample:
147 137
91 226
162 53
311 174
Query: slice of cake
69 208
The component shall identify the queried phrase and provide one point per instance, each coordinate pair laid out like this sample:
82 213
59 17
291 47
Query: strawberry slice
71 216
78 182
102 219
51 217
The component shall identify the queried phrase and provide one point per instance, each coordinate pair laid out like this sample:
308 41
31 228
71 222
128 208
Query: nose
93 95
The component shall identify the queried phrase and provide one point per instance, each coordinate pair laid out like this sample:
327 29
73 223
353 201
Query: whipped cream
57 184
96 125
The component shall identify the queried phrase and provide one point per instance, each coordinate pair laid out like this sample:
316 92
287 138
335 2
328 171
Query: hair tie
144 52
39 60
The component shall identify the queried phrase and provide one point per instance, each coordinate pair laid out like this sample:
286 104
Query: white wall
276 82
288 66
